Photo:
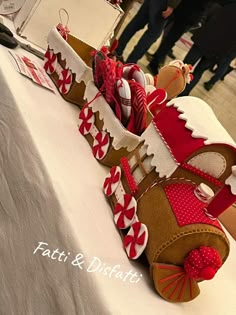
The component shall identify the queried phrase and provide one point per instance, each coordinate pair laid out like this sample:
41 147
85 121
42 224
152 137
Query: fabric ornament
86 120
101 145
124 212
112 180
65 81
135 241
50 61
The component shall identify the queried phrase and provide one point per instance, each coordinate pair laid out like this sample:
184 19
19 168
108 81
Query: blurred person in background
214 41
186 15
154 14
223 68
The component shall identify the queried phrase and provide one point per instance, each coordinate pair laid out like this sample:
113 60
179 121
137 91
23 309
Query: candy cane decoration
86 120
50 61
101 145
112 180
134 72
124 212
65 81
135 241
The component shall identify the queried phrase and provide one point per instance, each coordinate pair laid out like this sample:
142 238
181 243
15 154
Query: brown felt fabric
76 93
82 49
113 156
228 153
167 80
158 274
154 210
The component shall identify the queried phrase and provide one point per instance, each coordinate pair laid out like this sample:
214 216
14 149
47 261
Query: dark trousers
223 68
192 57
149 14
173 35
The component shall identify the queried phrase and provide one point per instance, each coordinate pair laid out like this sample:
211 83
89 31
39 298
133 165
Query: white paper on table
32 70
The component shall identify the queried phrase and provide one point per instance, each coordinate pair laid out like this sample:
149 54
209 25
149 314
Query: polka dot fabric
185 205
202 263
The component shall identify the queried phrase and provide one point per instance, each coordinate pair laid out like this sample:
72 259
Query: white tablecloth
50 191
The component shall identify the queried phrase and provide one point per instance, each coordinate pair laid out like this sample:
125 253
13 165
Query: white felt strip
201 120
73 60
162 159
121 137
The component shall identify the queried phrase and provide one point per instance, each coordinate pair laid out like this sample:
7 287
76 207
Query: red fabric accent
202 174
63 30
85 126
178 137
187 208
128 175
132 70
50 59
139 105
157 100
202 263
113 178
178 73
222 201
134 240
66 79
114 46
124 211
98 151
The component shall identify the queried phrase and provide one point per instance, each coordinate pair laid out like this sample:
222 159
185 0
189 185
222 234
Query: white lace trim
121 137
73 60
231 181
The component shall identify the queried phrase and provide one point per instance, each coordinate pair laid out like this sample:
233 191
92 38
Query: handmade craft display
167 193
122 100
68 62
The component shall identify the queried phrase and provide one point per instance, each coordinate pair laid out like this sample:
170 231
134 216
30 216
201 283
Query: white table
50 191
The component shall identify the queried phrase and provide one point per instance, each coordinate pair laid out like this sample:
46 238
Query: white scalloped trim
121 137
162 160
73 60
201 120
231 181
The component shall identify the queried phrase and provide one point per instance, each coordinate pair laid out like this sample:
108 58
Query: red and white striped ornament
86 120
135 241
101 145
63 30
112 180
65 81
50 61
124 212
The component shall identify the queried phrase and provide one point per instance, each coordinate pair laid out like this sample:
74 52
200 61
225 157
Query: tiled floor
222 98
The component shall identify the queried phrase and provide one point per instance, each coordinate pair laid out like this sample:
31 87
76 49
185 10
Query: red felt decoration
129 177
65 81
124 211
202 263
50 61
101 145
190 210
63 30
180 142
223 200
112 180
136 240
86 120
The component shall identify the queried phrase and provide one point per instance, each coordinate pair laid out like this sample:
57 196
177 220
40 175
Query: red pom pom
207 273
202 263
